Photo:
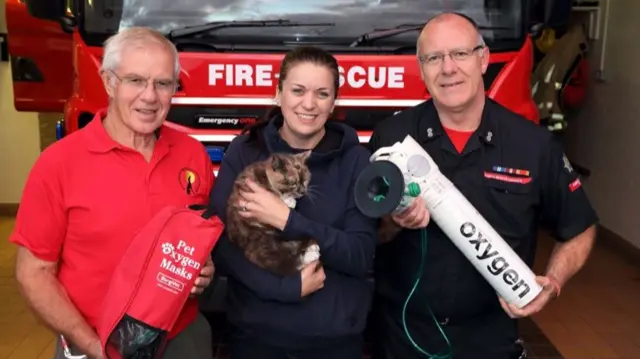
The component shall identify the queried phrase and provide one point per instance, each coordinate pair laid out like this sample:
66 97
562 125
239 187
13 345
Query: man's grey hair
481 40
136 37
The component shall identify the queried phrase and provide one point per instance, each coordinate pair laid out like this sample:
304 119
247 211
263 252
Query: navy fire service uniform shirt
515 174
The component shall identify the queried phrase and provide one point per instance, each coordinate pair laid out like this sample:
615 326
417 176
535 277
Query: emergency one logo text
178 259
263 75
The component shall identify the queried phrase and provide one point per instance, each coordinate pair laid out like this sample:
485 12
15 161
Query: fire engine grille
237 118
217 118
211 118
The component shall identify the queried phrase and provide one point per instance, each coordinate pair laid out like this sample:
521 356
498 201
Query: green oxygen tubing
413 190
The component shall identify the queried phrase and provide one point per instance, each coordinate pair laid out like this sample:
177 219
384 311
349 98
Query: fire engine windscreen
350 18
400 173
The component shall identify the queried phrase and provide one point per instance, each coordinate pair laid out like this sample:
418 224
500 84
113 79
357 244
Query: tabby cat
287 176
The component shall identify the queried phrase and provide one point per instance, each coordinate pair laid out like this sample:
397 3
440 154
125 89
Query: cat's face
288 174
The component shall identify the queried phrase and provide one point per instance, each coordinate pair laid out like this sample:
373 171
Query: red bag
153 281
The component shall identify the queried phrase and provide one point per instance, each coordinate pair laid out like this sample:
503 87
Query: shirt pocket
513 207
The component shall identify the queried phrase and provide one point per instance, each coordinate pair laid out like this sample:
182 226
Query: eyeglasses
139 84
458 55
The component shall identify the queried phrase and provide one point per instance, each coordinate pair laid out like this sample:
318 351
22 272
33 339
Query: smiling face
307 99
453 83
141 86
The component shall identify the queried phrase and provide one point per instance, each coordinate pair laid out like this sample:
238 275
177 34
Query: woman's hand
263 206
312 277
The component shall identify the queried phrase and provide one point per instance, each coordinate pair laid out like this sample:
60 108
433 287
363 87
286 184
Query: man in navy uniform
512 171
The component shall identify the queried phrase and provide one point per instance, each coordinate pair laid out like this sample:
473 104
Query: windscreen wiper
401 29
216 25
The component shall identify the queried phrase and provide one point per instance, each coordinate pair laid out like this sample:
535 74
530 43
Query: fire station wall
605 137
3 22
19 139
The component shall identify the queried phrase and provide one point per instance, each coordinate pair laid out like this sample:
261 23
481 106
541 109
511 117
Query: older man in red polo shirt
89 193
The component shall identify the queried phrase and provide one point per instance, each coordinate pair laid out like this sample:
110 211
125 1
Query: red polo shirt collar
98 140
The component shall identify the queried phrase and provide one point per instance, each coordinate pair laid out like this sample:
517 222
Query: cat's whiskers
312 194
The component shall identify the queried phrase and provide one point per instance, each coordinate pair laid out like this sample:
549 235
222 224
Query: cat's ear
303 156
277 165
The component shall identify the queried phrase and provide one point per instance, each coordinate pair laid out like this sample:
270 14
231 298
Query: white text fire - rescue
262 75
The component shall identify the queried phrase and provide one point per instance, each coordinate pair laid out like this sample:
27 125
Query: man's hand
95 350
416 216
204 279
312 278
536 305
38 283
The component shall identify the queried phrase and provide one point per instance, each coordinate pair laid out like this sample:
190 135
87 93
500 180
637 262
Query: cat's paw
290 202
312 254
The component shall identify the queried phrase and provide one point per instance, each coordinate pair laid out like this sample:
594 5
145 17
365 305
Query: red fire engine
230 68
